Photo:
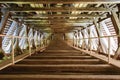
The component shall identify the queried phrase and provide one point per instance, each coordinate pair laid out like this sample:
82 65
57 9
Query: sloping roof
57 14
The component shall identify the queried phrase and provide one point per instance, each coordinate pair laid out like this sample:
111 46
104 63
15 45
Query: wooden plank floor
60 63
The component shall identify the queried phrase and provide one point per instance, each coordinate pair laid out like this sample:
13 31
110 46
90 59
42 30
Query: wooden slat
60 61
60 57
60 77
65 65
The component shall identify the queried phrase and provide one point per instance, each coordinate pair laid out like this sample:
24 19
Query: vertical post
77 39
90 43
108 49
73 40
13 53
98 29
46 42
90 40
29 46
76 42
36 44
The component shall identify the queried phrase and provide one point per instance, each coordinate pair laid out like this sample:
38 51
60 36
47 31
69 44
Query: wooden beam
56 23
97 27
59 20
60 1
56 15
49 25
57 9
27 19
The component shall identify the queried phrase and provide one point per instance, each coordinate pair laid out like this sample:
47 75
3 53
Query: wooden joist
60 1
55 20
58 15
59 9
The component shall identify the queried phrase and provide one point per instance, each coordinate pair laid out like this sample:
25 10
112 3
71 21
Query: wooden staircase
62 64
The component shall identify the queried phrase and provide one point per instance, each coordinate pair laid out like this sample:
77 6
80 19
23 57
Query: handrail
99 37
13 53
75 42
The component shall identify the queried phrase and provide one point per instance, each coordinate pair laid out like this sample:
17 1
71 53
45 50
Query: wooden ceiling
59 15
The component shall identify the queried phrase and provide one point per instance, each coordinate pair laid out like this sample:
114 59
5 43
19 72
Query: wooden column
28 29
13 52
33 39
73 39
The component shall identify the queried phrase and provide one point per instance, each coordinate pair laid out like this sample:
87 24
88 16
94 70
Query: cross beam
60 1
56 20
62 9
56 15
68 23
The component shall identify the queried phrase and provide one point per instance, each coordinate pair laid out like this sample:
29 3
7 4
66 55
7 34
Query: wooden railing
108 59
14 59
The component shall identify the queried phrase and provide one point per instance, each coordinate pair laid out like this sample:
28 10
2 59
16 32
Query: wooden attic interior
32 26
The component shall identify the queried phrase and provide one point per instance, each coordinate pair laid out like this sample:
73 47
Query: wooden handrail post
13 53
46 42
73 40
29 46
90 44
36 45
108 49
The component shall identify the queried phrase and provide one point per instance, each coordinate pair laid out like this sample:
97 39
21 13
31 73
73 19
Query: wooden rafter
57 15
57 9
58 20
60 1
56 23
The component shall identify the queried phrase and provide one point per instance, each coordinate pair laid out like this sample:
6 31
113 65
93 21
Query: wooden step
62 67
65 63
60 57
61 53
59 50
61 61
59 77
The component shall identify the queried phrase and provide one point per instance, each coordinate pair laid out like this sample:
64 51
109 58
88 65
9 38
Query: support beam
66 23
97 25
76 20
57 9
56 15
43 26
116 19
60 1
59 19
